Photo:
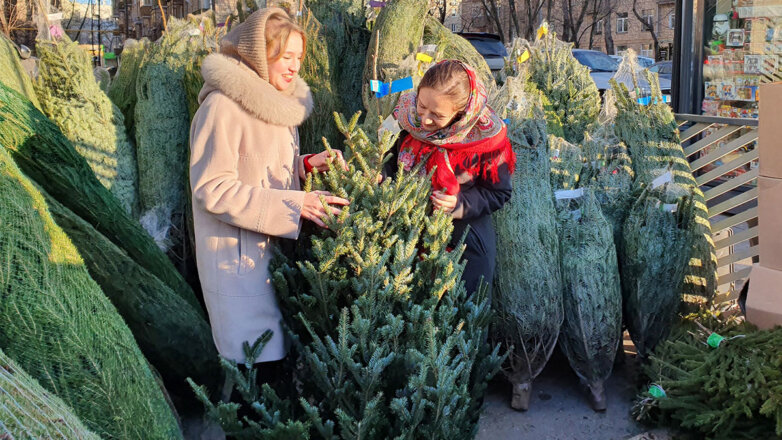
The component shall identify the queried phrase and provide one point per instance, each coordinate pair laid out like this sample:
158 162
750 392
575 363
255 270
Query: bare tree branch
649 27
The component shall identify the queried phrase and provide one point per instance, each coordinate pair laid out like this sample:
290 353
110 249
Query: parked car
663 69
489 46
602 68
645 61
642 61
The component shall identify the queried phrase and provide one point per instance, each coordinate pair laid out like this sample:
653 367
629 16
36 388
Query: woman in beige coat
245 173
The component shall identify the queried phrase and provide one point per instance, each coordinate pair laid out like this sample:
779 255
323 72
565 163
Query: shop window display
744 48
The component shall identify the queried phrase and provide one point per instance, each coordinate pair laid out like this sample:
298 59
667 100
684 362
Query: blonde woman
245 174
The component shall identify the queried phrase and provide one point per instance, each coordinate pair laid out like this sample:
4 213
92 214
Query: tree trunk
608 33
490 6
649 28
515 18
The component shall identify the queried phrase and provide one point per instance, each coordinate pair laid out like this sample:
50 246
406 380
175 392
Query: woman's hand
321 160
313 210
443 201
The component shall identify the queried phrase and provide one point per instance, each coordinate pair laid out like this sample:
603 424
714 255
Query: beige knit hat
248 40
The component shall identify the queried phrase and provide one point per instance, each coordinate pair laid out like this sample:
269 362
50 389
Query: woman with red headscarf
448 123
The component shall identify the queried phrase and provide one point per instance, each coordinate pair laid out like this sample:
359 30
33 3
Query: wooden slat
753 251
731 184
733 202
716 119
735 219
726 149
713 138
694 131
735 276
728 167
745 235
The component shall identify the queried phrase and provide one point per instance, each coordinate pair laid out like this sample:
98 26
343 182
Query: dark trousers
480 253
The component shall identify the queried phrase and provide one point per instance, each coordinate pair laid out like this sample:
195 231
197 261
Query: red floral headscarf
478 133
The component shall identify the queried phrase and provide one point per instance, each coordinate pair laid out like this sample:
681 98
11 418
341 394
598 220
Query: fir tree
389 344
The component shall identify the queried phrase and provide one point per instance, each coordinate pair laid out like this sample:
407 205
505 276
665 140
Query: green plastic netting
48 157
162 132
172 334
71 98
566 163
608 169
317 72
396 36
572 93
122 89
454 47
27 411
57 324
591 291
657 237
343 26
12 74
652 136
527 296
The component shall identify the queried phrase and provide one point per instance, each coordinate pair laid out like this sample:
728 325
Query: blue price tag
382 89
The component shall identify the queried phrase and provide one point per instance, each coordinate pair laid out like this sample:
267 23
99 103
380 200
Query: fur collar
234 79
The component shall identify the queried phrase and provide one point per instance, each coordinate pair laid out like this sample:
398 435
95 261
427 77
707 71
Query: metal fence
723 157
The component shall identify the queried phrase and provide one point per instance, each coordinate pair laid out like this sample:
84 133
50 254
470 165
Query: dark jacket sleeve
485 196
391 166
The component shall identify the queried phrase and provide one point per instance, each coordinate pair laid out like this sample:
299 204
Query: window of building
620 50
453 27
671 20
648 18
599 27
647 50
621 23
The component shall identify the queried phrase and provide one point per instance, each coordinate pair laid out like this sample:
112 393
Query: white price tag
55 16
662 180
430 48
670 207
390 124
563 194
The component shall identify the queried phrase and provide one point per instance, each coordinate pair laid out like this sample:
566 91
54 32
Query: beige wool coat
245 173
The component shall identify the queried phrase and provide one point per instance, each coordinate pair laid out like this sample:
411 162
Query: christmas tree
388 343
528 290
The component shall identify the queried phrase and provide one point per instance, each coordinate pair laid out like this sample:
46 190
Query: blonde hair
449 78
279 28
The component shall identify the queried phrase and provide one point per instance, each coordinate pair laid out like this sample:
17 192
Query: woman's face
435 109
284 70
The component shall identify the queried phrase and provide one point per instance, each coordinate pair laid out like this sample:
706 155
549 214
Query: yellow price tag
542 30
423 57
523 57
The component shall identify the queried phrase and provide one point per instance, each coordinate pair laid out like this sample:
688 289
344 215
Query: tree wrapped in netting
12 74
316 70
209 36
455 47
566 163
566 83
396 36
162 123
527 296
344 29
720 380
389 345
48 157
27 411
122 90
58 325
73 100
591 292
173 335
657 237
608 169
648 127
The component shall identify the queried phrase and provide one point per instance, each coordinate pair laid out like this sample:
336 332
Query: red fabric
491 153
307 166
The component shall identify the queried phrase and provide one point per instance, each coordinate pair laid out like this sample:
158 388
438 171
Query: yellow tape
523 57
423 57
542 30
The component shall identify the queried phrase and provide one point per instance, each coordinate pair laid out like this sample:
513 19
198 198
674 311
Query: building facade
627 30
